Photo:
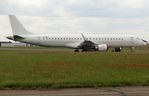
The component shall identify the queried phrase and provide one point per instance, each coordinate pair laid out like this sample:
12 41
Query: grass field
23 68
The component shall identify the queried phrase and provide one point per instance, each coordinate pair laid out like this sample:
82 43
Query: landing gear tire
118 49
76 50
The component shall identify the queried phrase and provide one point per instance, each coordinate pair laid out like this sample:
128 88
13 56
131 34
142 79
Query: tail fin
17 27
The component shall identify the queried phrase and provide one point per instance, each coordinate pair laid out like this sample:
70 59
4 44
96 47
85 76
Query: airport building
16 44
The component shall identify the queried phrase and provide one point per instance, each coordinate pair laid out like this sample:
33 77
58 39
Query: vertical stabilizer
17 27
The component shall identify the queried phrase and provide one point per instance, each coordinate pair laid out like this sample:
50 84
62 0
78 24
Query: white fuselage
73 41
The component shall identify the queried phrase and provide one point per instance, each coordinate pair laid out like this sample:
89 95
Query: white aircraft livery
76 41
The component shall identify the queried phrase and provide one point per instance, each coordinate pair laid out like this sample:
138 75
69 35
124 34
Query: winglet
83 37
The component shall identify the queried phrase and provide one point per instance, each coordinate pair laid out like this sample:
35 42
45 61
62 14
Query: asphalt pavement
106 91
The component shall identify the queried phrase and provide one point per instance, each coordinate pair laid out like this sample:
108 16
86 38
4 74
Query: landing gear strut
132 49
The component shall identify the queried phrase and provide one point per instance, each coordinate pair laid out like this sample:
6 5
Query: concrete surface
117 91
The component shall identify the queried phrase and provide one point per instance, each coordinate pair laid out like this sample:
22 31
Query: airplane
79 42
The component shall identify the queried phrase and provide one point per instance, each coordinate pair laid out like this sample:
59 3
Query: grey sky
78 16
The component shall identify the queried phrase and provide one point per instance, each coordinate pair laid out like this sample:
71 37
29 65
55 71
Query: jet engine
102 48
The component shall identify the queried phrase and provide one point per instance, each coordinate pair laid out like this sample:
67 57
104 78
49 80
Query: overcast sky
78 16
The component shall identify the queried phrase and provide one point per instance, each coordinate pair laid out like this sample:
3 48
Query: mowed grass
35 69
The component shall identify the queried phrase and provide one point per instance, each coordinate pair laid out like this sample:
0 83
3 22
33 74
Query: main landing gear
118 49
76 50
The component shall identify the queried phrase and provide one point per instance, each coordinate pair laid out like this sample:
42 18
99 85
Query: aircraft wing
82 45
86 44
73 45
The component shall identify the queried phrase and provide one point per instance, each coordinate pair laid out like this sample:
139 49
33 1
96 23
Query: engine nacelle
102 48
